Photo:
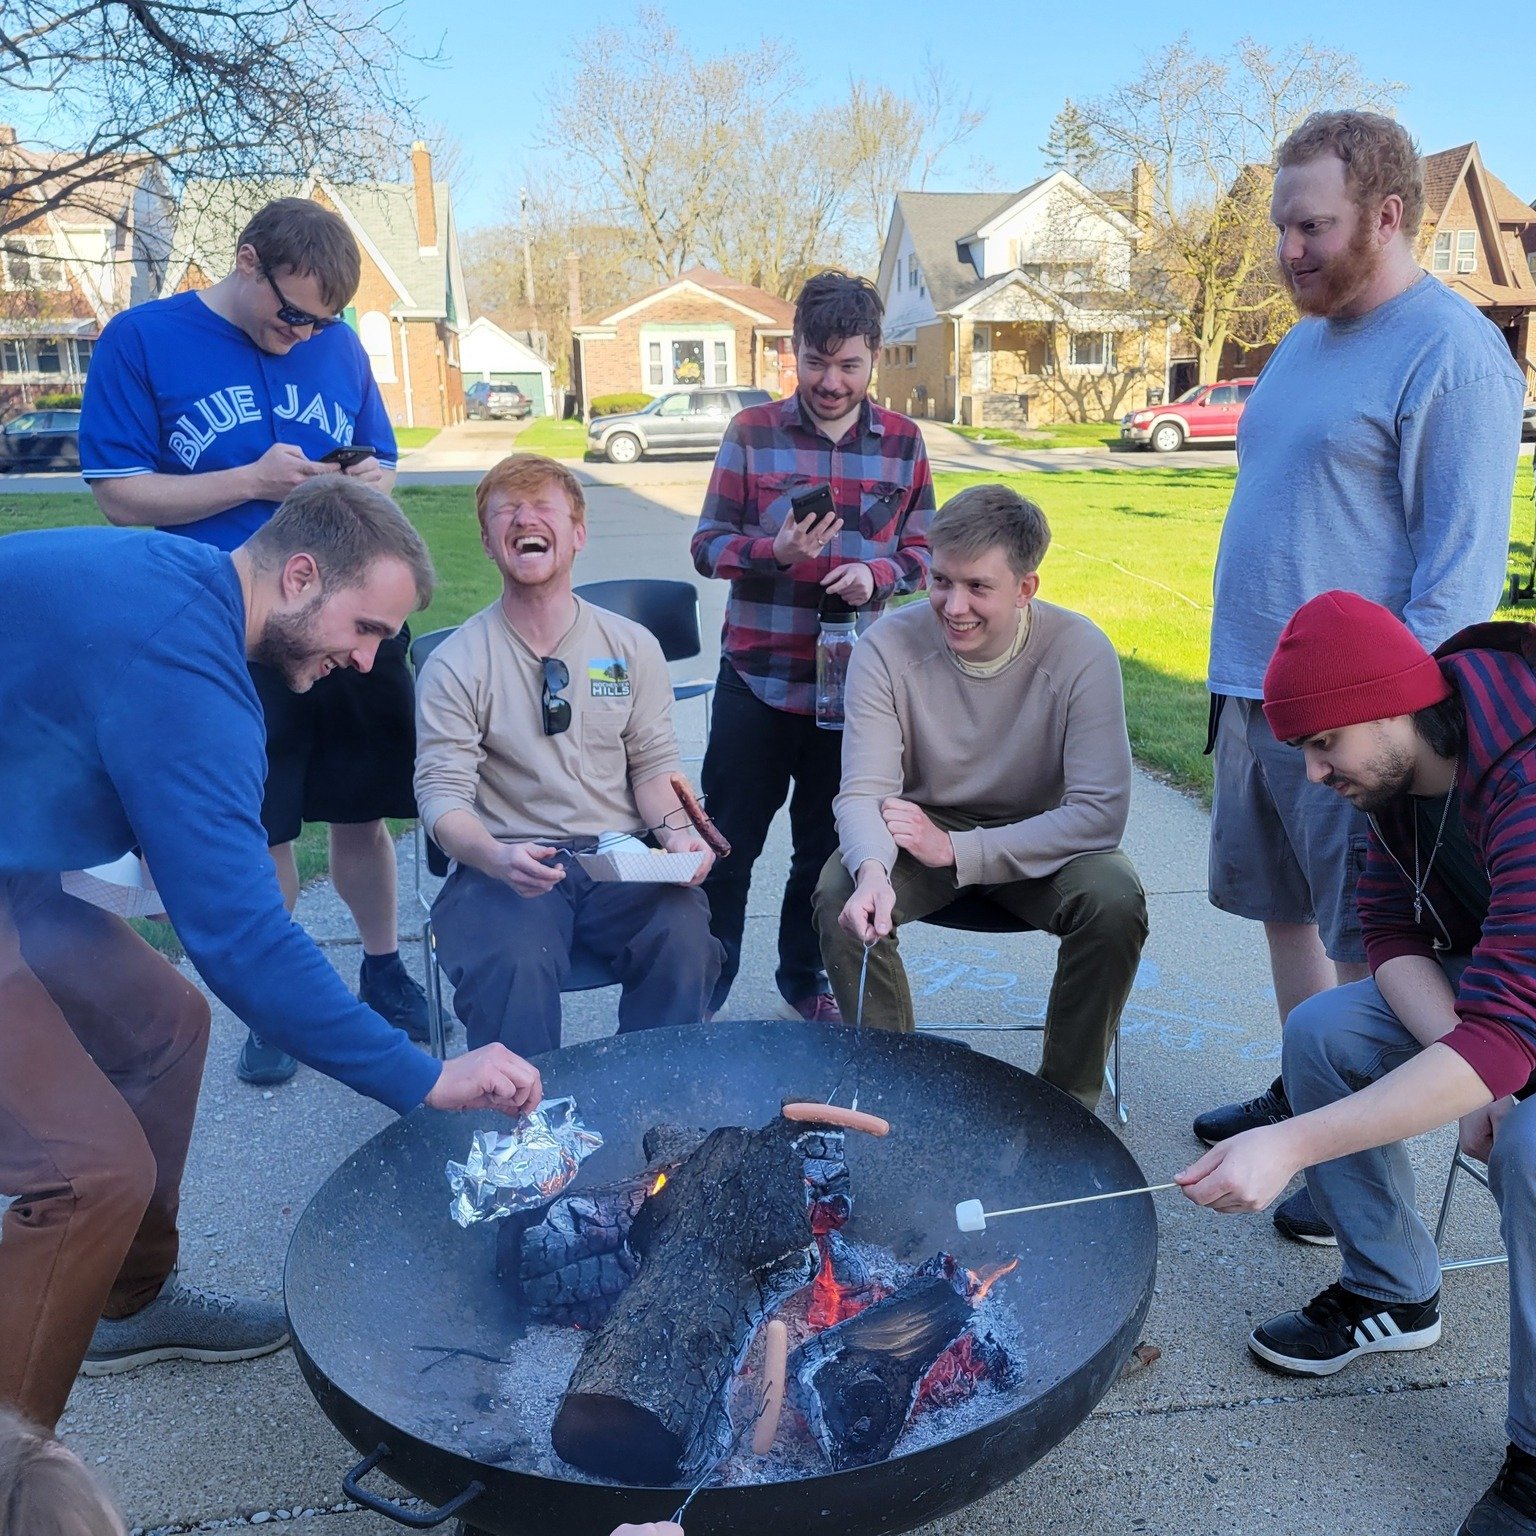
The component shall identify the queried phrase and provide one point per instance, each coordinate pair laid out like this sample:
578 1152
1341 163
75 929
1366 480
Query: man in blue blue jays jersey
202 412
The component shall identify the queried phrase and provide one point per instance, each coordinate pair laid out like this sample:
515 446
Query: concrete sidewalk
1202 1442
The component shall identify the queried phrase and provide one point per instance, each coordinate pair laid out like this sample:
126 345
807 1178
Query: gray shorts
1283 850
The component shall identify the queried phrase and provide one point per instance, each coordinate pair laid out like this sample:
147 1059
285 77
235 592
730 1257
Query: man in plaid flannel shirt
764 735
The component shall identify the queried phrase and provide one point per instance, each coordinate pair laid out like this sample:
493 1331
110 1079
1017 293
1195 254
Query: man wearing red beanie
1440 752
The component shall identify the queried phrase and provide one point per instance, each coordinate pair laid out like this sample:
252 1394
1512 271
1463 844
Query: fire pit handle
351 1485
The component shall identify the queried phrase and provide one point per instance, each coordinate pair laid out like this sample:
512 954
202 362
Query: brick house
66 273
411 302
1015 308
1479 239
702 328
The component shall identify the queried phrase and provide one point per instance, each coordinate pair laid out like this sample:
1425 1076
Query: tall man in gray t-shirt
1377 451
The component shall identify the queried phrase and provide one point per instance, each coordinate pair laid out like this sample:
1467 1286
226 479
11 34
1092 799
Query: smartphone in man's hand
809 507
353 453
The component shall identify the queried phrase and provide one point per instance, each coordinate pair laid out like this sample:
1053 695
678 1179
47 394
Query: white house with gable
1017 308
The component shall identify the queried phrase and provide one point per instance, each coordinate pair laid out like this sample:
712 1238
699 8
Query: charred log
856 1382
568 1262
721 1244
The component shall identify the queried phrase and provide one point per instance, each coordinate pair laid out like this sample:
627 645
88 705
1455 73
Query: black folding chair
670 610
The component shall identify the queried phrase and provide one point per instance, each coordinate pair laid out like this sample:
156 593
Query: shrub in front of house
57 403
616 405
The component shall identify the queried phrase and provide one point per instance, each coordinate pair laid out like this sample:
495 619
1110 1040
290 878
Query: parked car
41 440
685 421
1208 413
484 401
1528 425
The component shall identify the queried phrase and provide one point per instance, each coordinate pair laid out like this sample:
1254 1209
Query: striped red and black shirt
882 486
1490 666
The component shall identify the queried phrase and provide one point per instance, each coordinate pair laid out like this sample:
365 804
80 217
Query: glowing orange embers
830 1303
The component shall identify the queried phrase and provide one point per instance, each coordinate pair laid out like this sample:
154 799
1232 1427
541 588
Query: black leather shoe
1509 1506
1269 1108
391 991
262 1064
1298 1219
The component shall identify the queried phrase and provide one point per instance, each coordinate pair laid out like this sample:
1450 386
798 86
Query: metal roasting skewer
858 1018
970 1217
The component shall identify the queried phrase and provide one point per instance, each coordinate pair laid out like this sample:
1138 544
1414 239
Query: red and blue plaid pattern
881 484
1490 665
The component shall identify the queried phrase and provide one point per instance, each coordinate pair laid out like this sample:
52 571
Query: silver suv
685 421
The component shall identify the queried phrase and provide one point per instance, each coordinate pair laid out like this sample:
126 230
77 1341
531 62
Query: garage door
532 385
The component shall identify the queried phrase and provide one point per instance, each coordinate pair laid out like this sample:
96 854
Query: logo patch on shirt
609 676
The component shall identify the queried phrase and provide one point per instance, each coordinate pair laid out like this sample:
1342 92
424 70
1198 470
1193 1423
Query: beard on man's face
1340 278
1387 776
287 645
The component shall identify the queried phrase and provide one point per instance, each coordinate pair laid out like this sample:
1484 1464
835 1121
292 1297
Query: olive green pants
1095 905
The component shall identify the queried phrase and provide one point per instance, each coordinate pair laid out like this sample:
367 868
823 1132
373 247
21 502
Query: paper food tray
652 868
123 887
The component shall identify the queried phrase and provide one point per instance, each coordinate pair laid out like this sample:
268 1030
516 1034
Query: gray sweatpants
1341 1041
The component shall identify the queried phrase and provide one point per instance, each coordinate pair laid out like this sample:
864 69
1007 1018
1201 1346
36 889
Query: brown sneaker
818 1008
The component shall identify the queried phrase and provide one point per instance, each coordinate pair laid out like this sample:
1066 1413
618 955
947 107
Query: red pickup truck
1208 413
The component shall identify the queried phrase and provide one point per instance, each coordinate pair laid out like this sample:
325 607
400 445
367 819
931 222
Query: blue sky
1019 62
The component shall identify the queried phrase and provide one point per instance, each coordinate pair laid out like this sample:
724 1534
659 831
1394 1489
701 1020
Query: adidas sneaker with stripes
1338 1326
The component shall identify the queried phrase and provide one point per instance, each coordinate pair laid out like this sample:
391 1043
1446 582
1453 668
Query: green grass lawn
415 437
554 439
1066 434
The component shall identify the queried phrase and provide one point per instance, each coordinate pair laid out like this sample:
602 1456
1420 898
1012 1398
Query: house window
1092 349
13 357
688 362
898 277
912 270
722 364
83 350
911 357
1466 250
654 374
1441 262
27 266
48 360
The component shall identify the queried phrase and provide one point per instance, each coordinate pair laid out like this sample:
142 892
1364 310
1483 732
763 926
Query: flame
984 1283
661 1183
830 1303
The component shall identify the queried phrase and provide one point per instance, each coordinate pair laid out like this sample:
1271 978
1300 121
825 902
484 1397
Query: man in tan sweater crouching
985 746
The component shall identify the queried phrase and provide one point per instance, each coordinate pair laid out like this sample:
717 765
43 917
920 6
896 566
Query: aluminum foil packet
507 1172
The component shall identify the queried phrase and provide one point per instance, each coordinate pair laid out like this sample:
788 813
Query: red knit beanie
1341 660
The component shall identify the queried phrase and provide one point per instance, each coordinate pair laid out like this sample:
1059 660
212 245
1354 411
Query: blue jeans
1341 1041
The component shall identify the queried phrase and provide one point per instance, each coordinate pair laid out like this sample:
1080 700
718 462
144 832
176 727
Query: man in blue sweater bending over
131 721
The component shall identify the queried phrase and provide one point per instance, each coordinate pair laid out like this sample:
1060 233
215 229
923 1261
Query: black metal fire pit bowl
381 1285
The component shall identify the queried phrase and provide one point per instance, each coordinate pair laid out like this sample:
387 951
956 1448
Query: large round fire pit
406 1337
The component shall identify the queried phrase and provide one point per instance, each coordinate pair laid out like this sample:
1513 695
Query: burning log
859 1381
569 1261
720 1246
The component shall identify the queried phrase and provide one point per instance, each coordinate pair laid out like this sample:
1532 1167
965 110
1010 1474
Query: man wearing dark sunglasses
544 722
202 412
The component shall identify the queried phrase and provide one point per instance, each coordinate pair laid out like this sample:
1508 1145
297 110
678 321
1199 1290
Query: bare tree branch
241 88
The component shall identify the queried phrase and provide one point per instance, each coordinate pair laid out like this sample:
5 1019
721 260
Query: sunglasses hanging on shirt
557 711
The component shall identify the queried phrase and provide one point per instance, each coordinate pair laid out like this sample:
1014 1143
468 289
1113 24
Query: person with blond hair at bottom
45 1489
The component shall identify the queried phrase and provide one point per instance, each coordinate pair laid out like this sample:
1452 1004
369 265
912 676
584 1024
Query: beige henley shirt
480 742
1038 749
